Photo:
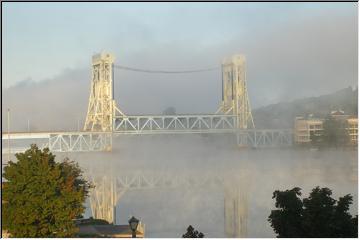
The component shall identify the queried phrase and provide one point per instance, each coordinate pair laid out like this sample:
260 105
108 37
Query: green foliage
42 197
288 220
319 215
335 133
316 138
192 233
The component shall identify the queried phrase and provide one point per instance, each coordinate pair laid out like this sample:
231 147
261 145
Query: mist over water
256 172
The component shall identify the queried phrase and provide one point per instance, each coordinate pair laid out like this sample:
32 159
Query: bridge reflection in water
110 189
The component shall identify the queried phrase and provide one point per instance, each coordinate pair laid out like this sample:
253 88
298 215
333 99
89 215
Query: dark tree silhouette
192 233
334 133
169 111
319 215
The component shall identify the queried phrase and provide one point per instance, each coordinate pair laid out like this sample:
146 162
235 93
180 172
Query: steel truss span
140 180
151 124
265 138
102 141
80 142
59 142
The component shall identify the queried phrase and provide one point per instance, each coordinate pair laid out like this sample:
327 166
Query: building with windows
352 128
304 128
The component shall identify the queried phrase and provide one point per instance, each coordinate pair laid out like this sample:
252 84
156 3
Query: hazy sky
42 39
293 50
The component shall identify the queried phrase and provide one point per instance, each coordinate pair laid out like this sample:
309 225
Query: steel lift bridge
233 116
105 120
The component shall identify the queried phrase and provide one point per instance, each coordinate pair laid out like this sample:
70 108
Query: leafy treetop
319 215
192 233
41 197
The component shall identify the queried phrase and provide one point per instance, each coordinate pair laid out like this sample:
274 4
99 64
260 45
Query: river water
258 173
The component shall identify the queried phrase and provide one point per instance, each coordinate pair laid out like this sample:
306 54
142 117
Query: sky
293 50
42 39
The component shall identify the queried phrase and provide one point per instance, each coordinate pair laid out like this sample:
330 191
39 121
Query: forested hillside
281 115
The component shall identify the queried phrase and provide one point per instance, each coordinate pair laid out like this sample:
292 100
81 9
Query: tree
169 111
316 138
334 134
319 215
41 197
287 221
192 233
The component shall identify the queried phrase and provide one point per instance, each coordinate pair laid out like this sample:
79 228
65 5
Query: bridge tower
235 99
102 105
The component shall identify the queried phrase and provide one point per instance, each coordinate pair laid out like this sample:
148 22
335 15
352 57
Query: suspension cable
164 71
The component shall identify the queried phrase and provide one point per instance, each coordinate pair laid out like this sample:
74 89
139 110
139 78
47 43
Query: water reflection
168 211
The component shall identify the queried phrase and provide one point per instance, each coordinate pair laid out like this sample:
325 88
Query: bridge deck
83 141
59 141
43 134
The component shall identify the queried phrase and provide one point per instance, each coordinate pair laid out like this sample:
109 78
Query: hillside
281 115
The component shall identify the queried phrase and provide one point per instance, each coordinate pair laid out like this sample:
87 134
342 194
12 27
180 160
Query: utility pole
28 125
8 121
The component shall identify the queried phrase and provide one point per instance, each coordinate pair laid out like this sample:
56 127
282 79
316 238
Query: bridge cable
164 71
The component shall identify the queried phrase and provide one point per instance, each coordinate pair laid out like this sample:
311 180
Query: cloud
298 56
54 104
